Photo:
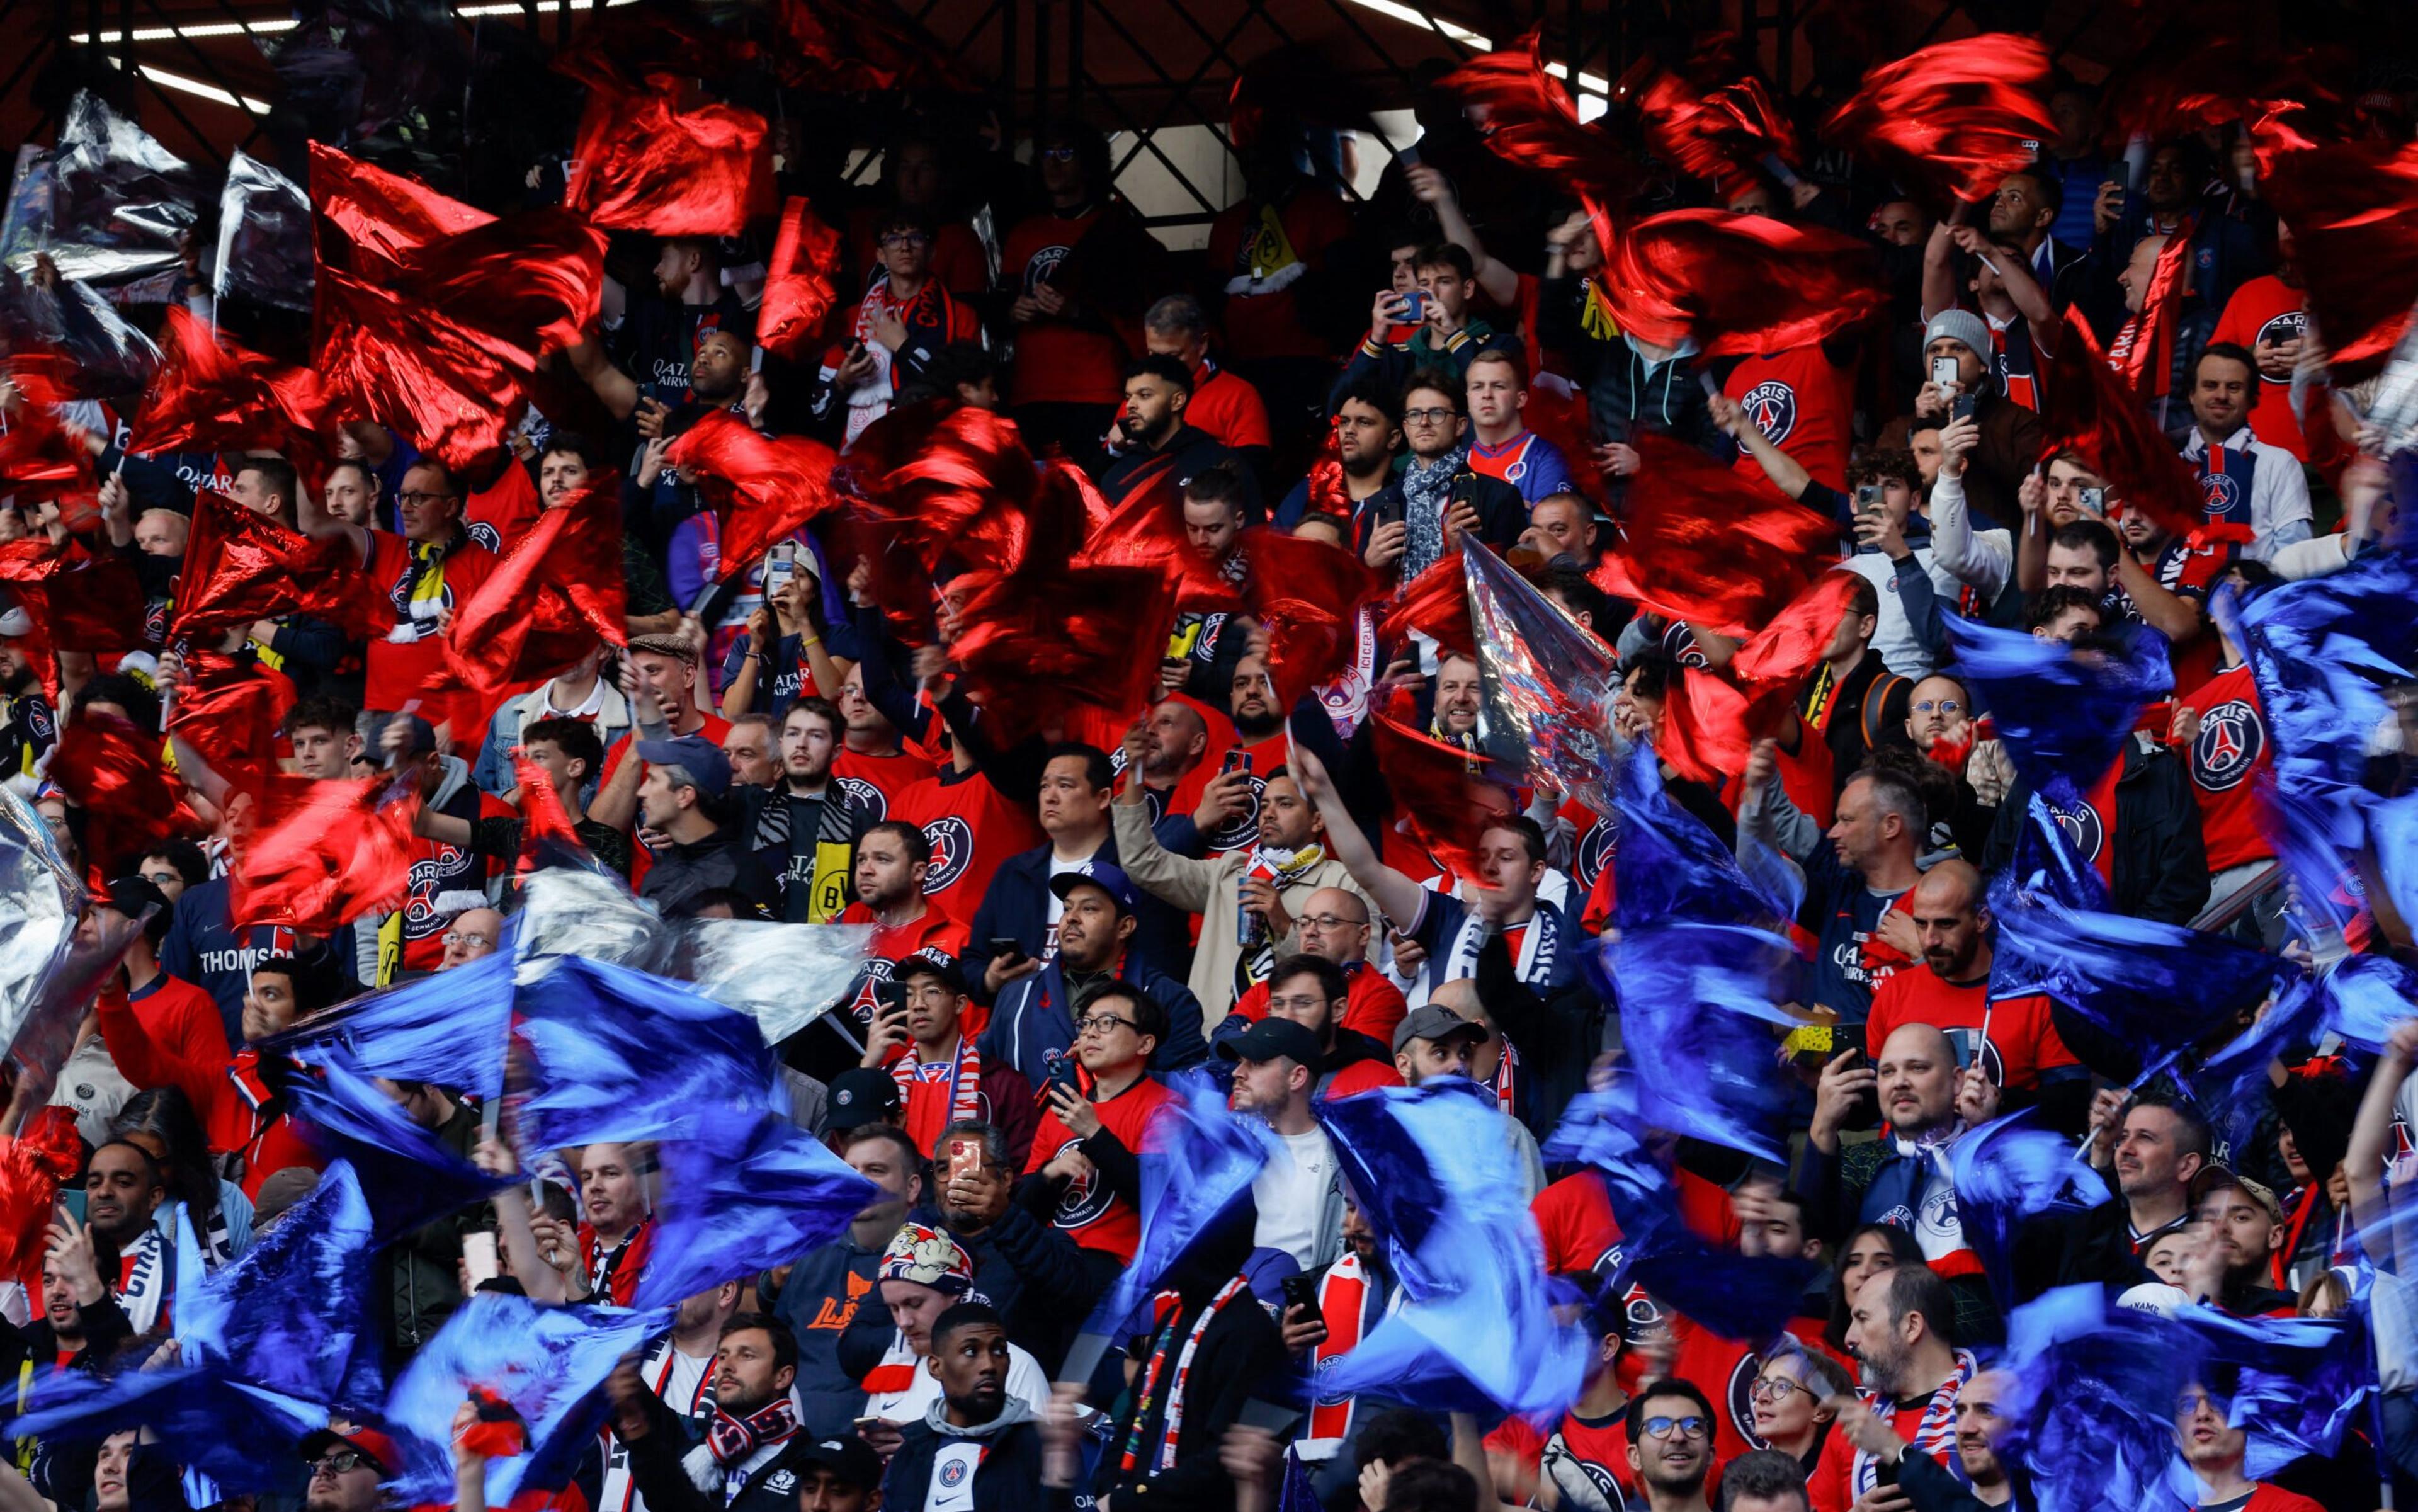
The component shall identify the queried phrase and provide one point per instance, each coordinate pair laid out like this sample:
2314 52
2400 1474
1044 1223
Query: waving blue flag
2323 650
292 1314
2152 990
1669 865
451 1028
549 1363
243 1437
2063 715
1198 1156
1696 1007
1436 1175
2006 1171
616 1054
737 1204
2360 998
2295 1383
2093 1402
407 1176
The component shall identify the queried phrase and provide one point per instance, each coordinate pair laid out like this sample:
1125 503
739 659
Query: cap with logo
861 1096
369 1441
850 1459
1110 879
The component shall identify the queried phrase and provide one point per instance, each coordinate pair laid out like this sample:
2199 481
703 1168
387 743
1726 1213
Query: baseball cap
1430 1022
852 1459
941 970
1272 1037
1099 874
861 1096
701 758
369 1441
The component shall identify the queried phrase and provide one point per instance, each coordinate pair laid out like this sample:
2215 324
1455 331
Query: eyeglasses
1945 706
1102 1023
906 239
339 1463
1057 153
2192 1402
463 937
1296 1006
1774 1389
1330 921
414 500
161 879
1689 1427
1430 417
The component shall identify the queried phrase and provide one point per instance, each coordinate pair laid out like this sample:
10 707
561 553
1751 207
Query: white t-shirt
1291 1196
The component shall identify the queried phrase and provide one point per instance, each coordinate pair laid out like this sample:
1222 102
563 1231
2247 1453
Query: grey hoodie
1013 1409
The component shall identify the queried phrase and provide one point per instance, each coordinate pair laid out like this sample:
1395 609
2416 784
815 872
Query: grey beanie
1960 326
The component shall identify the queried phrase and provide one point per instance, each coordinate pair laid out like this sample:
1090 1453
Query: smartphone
479 1258
1238 760
890 997
780 566
863 1422
72 1201
1001 945
2094 499
1868 499
1415 306
1961 407
1063 1073
965 1158
1300 1292
1943 372
1408 157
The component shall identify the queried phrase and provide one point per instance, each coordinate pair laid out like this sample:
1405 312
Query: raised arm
1501 283
1399 897
1786 473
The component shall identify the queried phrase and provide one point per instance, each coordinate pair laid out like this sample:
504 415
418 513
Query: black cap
1272 1037
861 1096
940 968
852 1459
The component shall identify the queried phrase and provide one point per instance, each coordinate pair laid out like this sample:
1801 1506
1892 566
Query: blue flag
1436 1175
1669 865
2295 1383
451 1028
2006 1171
407 1177
735 1205
243 1437
1198 1156
2094 1400
549 1363
1696 1009
292 1314
2064 716
618 1054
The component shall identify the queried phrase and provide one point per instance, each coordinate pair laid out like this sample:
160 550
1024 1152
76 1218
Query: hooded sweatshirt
984 1466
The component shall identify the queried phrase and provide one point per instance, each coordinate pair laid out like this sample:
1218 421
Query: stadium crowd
1758 751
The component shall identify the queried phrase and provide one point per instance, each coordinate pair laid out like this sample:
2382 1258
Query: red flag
240 567
1736 284
321 854
1720 136
214 395
860 50
81 603
1307 596
1147 530
553 595
642 165
959 486
1952 120
2219 80
1705 735
1705 546
764 486
1447 805
42 459
2088 406
432 319
547 838
2143 352
800 283
1328 493
1437 604
2353 210
229 714
1783 651
115 772
1037 643
34 1164
1531 121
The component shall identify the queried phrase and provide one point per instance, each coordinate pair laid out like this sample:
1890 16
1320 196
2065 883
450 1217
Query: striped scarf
1172 1421
1934 1435
1342 1302
963 1078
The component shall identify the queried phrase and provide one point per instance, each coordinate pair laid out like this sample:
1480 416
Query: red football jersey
1057 360
2267 309
1373 1005
1090 1214
876 782
971 829
2021 1042
402 661
2231 750
1801 405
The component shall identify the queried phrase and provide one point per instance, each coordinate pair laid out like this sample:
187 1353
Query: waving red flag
555 593
765 487
547 838
2218 79
1720 136
958 486
41 459
1705 735
81 603
1705 546
1147 530
1437 604
432 317
240 567
1329 495
642 165
1307 596
1952 120
1736 284
2089 406
1447 805
2353 210
321 854
1036 644
2143 351
116 774
1783 651
1531 121
859 49
229 714
212 394
800 283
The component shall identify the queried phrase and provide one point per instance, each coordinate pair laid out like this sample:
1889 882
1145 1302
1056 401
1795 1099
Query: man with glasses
1032 1023
1671 1446
347 1461
1335 925
905 320
1419 516
1586 1454
1086 1152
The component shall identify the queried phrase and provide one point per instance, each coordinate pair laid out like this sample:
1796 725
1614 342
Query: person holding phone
1086 1149
924 1044
1958 353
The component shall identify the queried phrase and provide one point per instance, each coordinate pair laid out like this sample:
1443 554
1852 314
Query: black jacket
1239 1351
1043 1283
1008 1479
1502 513
1627 396
1187 453
681 872
655 1469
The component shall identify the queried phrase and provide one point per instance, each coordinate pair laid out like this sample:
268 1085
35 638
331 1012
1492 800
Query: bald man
474 934
1335 924
162 532
2010 1038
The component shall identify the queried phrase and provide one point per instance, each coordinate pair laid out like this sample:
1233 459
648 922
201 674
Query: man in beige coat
1273 879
